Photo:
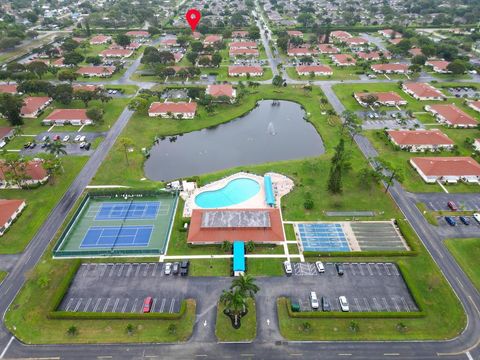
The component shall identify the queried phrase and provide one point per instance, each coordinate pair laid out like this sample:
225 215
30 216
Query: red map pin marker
193 17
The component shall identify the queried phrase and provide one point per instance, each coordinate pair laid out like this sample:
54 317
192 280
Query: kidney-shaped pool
273 131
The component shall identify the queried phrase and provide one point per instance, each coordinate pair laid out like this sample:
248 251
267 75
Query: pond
272 131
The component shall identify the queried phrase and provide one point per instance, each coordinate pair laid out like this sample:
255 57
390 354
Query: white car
168 268
288 267
320 266
476 216
82 138
314 300
66 138
343 303
77 138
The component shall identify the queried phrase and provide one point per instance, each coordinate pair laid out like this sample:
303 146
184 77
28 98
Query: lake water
268 133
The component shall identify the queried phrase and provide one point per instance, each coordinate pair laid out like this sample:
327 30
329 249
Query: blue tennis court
323 237
128 210
109 236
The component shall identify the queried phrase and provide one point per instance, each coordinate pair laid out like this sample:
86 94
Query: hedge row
118 316
349 315
64 285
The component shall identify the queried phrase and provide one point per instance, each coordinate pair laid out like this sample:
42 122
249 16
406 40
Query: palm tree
56 148
126 143
245 285
17 130
235 304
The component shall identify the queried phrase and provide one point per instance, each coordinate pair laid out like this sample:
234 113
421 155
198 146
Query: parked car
476 216
87 146
56 137
320 266
168 268
175 268
184 267
147 304
314 300
66 138
339 268
82 138
288 267
451 221
77 138
32 145
343 303
82 144
464 220
452 206
27 145
45 138
326 304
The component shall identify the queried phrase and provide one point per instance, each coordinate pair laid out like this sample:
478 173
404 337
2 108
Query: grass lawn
210 267
142 130
289 232
223 75
467 253
40 202
3 275
429 216
339 73
225 332
443 319
265 267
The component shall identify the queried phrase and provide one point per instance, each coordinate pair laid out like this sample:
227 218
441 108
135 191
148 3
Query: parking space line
361 268
111 271
153 304
120 270
104 268
138 269
386 304
125 305
96 305
369 270
172 304
146 269
134 304
405 304
357 304
395 270
367 305
387 270
106 305
87 304
395 303
154 271
129 270
78 304
115 305
353 269
377 266
163 304
69 303
377 305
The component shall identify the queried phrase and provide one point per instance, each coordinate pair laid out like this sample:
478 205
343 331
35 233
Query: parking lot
120 293
464 92
438 201
72 147
368 287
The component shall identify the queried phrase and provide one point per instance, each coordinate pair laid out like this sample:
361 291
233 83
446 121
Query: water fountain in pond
271 129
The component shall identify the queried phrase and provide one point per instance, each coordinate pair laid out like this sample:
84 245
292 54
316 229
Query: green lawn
40 202
265 267
443 319
210 267
3 275
289 232
339 73
247 331
467 253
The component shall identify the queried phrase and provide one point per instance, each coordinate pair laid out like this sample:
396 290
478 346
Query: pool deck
282 185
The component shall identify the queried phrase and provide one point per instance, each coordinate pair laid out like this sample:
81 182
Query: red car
147 304
452 206
56 137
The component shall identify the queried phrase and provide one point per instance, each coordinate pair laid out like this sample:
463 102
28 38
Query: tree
457 67
216 59
277 81
130 329
62 93
38 68
339 163
172 329
94 60
419 60
126 143
67 75
139 104
73 58
226 246
14 169
196 46
69 45
245 284
122 40
306 19
10 106
253 32
35 86
192 57
57 148
52 165
250 246
72 330
235 304
95 114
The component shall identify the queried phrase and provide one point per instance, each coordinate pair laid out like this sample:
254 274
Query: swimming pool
235 192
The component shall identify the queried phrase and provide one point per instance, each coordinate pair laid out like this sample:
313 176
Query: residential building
34 105
253 70
389 98
100 40
306 70
420 140
438 66
390 68
422 91
452 116
60 117
343 60
447 169
33 172
100 71
217 90
179 110
9 211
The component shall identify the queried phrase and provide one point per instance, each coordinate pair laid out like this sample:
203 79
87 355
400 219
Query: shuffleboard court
323 237
113 224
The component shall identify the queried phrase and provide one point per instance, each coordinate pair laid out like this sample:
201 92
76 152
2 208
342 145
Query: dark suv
184 267
339 268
